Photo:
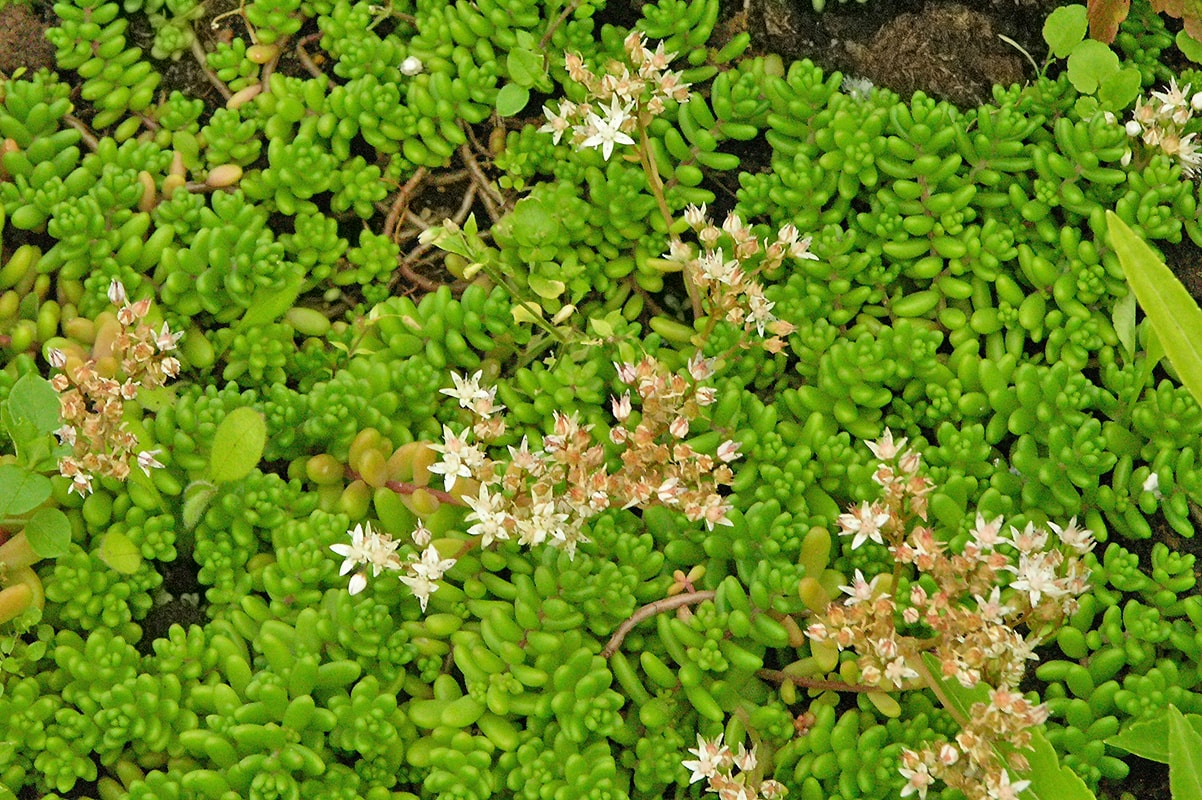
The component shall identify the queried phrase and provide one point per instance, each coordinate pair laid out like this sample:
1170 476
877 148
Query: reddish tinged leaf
1105 16
1192 17
1171 7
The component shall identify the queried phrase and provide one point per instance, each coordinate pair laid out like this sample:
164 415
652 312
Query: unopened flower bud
117 295
411 66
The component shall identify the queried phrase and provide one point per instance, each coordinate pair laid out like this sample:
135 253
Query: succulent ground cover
529 399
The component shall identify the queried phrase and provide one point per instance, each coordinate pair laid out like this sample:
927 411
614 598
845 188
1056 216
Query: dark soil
22 43
950 51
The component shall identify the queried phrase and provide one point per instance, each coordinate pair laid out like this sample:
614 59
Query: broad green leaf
1105 16
237 445
197 497
48 532
1064 28
1119 90
1050 780
120 553
21 490
1090 63
32 398
1185 758
511 99
1175 317
1147 738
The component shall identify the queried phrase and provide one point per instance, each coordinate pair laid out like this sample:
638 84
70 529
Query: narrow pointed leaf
1175 317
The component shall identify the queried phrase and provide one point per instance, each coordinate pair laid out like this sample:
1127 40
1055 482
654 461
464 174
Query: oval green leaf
120 553
32 400
48 532
237 445
512 99
1175 317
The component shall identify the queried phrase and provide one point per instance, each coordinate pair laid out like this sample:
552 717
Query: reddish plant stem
401 203
401 487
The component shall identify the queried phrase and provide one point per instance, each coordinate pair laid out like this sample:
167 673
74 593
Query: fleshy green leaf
1175 317
237 445
1185 758
1065 28
120 553
511 99
48 532
21 490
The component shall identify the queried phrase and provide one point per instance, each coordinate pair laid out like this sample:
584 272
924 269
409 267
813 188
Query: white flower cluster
621 95
1161 123
377 551
963 618
715 763
730 285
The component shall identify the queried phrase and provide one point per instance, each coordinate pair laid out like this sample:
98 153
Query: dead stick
650 610
777 676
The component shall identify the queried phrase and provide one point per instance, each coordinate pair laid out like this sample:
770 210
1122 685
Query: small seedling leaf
1119 90
120 553
33 399
237 445
197 497
511 99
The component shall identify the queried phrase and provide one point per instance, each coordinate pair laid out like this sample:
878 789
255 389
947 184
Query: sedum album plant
972 616
711 374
